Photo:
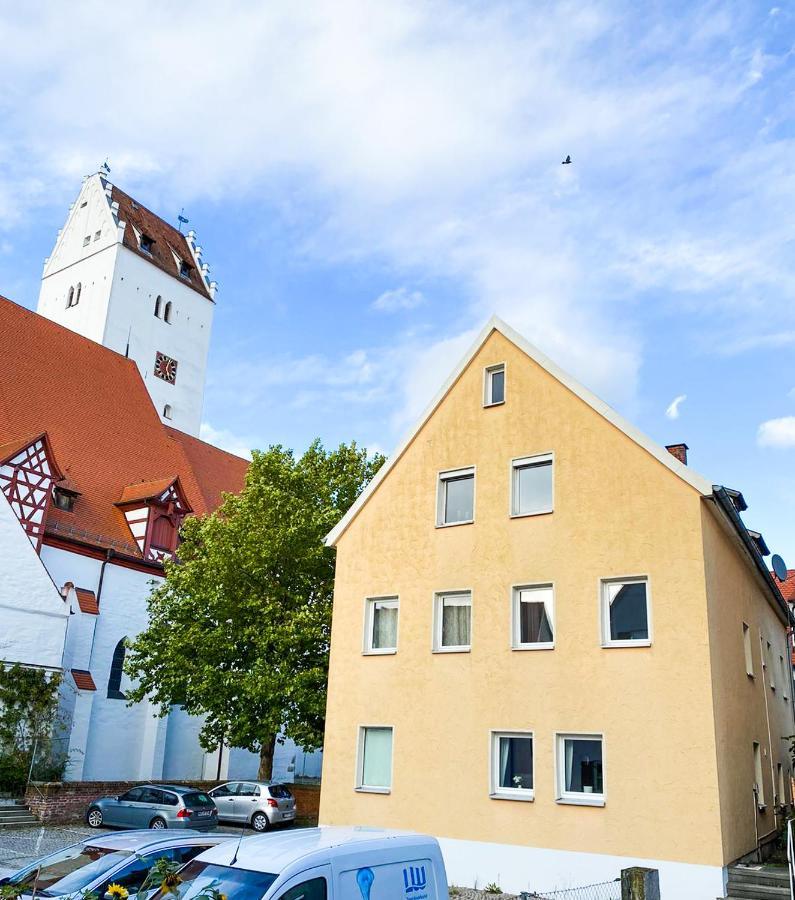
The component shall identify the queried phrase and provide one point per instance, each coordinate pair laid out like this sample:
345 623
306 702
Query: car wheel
94 817
158 824
259 822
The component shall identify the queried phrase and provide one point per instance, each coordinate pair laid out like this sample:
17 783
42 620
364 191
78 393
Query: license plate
204 813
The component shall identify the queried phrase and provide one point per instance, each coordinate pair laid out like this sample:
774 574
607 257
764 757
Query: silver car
95 863
155 806
260 804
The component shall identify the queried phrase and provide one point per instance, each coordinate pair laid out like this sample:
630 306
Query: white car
327 863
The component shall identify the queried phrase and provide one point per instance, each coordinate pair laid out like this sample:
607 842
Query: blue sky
370 182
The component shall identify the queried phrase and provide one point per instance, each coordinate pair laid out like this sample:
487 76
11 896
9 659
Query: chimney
679 451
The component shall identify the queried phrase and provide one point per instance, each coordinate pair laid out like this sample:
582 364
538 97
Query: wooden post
638 883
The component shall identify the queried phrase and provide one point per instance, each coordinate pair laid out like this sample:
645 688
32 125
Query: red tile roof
144 490
87 600
788 587
103 429
166 239
83 679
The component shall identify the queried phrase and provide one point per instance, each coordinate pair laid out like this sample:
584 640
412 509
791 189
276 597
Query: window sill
530 515
583 800
373 790
540 646
497 403
454 524
452 649
611 645
524 797
391 652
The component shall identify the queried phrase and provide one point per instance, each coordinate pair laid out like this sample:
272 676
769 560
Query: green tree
239 630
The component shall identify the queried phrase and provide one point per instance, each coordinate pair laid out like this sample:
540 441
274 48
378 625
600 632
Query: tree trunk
265 772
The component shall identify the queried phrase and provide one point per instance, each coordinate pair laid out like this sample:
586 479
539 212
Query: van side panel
409 879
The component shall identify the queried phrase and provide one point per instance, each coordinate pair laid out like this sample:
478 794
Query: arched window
77 295
167 314
163 534
116 670
167 411
158 304
70 297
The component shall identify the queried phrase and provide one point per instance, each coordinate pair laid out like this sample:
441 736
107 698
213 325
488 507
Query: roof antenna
237 849
127 350
181 219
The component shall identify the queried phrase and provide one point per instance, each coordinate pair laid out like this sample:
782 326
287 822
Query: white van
329 863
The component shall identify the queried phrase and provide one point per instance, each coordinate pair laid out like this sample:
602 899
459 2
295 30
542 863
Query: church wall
34 615
136 285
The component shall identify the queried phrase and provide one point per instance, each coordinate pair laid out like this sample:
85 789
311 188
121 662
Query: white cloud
672 411
777 432
220 437
399 299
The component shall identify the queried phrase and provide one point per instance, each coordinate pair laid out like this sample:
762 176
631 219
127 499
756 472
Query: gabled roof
145 490
659 452
167 241
70 387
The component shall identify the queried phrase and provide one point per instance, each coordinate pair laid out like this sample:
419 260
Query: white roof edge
701 484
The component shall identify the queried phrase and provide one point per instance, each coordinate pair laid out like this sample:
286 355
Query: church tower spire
123 277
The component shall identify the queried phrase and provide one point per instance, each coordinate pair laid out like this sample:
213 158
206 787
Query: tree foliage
239 630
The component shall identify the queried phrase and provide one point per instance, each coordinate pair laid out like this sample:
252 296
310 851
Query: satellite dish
779 567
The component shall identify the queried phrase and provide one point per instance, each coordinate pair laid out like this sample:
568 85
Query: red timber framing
27 473
154 514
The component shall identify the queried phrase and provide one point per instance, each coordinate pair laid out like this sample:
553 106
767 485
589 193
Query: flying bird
566 161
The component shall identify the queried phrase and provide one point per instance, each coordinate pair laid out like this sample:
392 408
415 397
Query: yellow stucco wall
741 714
618 511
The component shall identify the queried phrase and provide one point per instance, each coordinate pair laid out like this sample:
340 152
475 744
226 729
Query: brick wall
58 802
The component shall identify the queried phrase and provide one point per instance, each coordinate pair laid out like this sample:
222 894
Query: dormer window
64 499
146 243
184 270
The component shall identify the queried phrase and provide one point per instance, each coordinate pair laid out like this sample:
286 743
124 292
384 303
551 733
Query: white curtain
385 619
456 613
569 766
505 752
377 757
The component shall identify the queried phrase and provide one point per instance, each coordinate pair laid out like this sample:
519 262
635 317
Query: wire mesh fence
604 890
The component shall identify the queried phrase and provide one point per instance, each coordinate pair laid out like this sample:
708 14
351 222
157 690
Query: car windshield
68 870
199 878
198 798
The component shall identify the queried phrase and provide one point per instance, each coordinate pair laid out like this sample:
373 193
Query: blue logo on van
365 879
414 880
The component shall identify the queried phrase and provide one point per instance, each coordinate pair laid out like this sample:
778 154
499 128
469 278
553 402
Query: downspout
105 561
765 683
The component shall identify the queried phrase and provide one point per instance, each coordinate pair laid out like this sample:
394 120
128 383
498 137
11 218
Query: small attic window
97 235
64 499
167 411
184 270
86 240
146 243
84 203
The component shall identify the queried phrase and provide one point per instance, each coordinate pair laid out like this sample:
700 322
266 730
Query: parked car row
331 863
260 804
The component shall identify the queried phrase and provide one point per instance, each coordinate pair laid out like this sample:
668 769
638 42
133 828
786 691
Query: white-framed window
455 497
167 411
580 769
533 617
759 781
626 618
374 759
494 385
452 621
381 625
512 765
771 669
749 656
531 485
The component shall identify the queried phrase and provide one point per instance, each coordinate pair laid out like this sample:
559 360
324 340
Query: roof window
184 270
146 243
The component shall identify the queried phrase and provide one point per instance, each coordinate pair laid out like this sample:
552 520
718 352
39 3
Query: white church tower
125 278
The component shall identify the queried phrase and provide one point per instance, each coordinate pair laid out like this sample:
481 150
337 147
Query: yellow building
554 646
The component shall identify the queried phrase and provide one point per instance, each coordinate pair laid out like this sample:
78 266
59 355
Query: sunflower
118 892
171 883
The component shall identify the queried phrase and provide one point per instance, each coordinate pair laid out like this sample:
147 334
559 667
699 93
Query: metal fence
605 890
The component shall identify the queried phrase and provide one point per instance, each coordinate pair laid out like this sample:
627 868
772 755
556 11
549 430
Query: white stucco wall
33 614
136 285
